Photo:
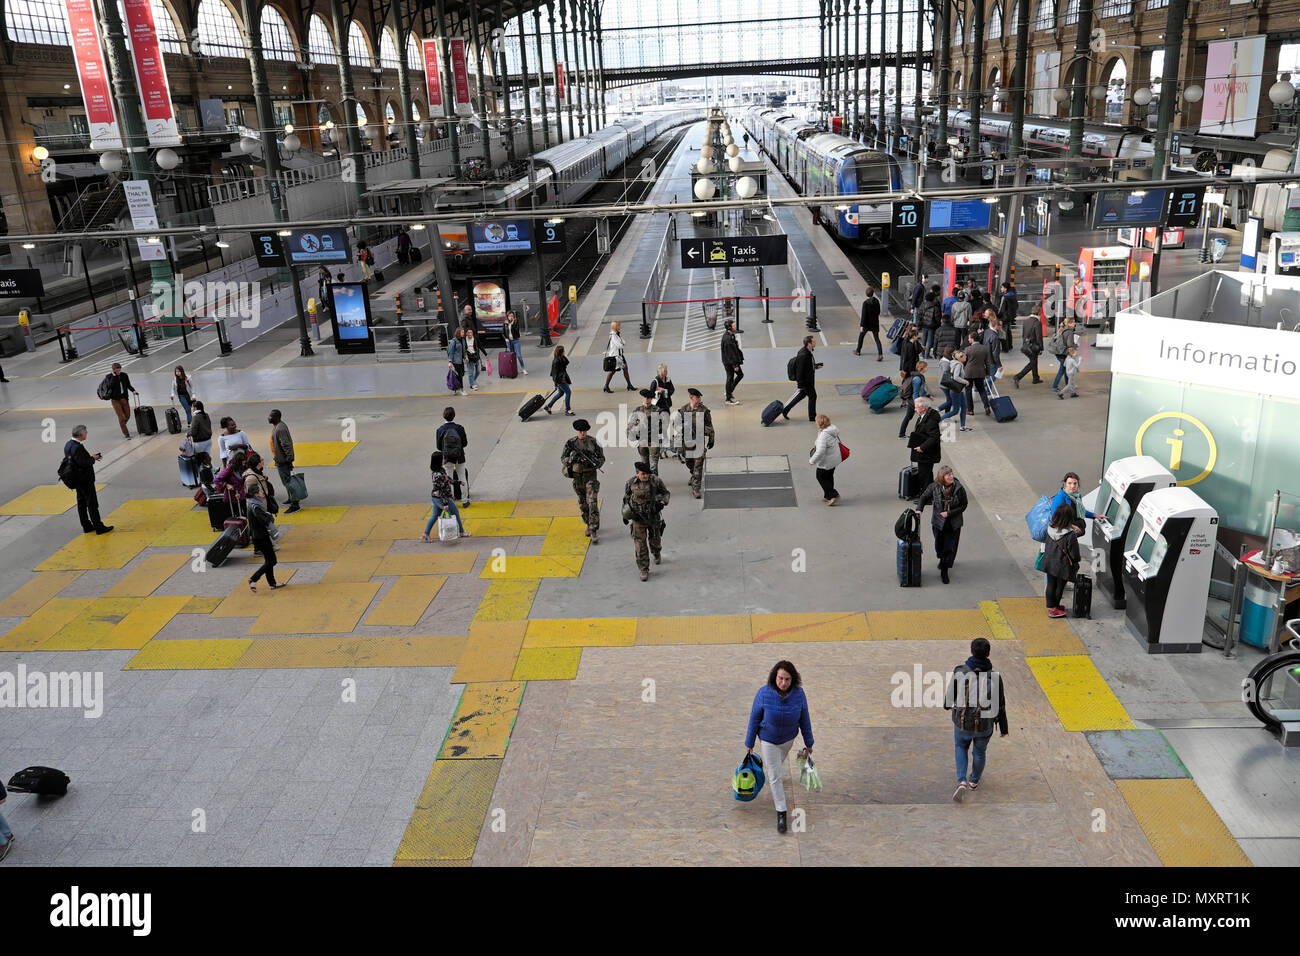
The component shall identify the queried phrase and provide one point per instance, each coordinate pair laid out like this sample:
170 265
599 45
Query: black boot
780 821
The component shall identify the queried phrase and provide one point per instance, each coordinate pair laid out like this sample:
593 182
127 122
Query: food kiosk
960 267
1126 481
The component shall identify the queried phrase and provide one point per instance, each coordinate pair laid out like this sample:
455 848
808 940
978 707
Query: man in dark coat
1031 347
732 359
977 370
909 351
924 441
83 481
870 322
918 296
805 377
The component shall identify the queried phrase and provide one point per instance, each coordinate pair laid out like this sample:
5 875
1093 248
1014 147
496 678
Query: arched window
1045 17
1071 12
413 59
219 34
319 42
358 49
995 22
169 39
388 51
277 41
1014 25
37 21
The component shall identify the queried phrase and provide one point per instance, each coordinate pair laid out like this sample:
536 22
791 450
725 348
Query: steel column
1169 82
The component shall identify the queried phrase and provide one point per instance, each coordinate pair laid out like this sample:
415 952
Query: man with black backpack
113 389
802 370
77 471
452 442
976 697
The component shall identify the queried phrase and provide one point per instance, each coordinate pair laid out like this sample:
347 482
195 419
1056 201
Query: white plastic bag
447 528
809 778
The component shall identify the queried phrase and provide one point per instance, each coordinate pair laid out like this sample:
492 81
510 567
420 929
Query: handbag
1038 561
187 448
610 364
748 779
447 528
487 365
950 383
844 452
453 380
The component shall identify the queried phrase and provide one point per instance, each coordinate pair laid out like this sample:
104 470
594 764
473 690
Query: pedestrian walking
646 430
183 391
77 471
918 297
826 457
473 359
778 715
816 210
663 389
615 357
117 385
644 498
1060 557
452 440
366 258
581 460
403 246
909 352
977 699
1031 347
1065 339
924 441
913 388
282 455
200 430
930 319
511 330
992 340
560 378
1008 312
949 301
1072 365
805 378
955 384
456 360
732 360
945 336
961 311
869 321
947 499
696 421
976 368
260 525
443 497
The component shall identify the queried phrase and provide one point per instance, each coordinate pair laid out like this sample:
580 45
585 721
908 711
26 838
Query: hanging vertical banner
96 92
433 76
1233 83
151 74
139 201
460 76
559 81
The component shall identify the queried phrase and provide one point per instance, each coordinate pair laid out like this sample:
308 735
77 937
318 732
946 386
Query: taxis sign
726 252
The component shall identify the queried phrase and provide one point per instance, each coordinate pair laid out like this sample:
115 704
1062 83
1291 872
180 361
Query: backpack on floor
43 781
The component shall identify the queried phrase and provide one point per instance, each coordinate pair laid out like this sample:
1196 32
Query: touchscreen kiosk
1125 483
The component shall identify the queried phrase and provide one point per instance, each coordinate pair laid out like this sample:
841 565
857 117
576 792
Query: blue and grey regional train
832 165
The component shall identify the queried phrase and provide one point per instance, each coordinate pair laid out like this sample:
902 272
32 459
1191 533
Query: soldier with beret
696 429
644 498
645 429
582 459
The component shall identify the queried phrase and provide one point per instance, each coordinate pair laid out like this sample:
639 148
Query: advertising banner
1233 80
1046 68
139 200
96 91
350 316
151 74
433 77
1118 207
559 81
460 76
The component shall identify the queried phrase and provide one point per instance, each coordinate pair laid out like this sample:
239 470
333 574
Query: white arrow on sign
692 252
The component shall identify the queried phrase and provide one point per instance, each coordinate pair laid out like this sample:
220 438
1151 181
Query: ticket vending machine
1167 561
1106 275
1127 480
960 267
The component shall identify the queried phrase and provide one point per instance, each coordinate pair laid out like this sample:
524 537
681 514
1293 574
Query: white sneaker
524 370
959 792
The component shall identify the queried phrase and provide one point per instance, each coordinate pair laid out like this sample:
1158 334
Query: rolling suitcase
221 548
529 408
173 418
507 364
881 396
908 532
909 483
772 411
1004 410
895 329
218 511
43 781
872 385
146 423
1082 596
416 255
189 471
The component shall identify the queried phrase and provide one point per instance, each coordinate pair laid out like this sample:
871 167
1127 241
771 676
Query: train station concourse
572 434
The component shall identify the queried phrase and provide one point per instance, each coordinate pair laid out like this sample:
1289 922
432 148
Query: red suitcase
507 365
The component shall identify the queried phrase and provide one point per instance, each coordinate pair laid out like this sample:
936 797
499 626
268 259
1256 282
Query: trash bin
711 315
1257 614
1218 248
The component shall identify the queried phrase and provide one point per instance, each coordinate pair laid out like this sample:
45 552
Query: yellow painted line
190 530
548 663
581 632
43 500
149 575
351 569
393 522
449 813
43 624
1079 694
448 562
781 628
148 514
144 622
507 600
483 722
242 602
548 508
206 605
486 527
484 509
1180 823
314 608
293 652
950 625
406 601
490 652
717 629
1042 636
328 514
999 626
90 552
31 596
319 454
528 566
93 626
189 655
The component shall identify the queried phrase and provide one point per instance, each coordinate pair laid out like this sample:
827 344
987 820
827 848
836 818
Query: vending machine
1106 275
1127 480
960 267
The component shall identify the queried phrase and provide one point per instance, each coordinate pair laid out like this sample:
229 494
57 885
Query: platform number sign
1185 207
267 248
908 219
551 235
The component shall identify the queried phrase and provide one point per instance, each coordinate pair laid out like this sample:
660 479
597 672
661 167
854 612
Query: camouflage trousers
587 488
650 453
696 467
640 534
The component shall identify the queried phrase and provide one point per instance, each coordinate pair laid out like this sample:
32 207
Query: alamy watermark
79 690
642 427
208 300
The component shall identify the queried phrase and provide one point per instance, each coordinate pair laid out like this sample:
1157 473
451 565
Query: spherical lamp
166 159
734 164
1061 95
1098 93
292 143
733 150
40 154
111 162
704 189
248 145
704 166
746 186
1281 93
1142 96
706 152
1194 93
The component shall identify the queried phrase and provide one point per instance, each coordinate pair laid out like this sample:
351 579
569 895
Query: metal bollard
403 339
811 324
767 306
645 322
223 342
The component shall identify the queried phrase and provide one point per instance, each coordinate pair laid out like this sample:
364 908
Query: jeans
826 478
6 834
773 756
734 374
927 341
1055 591
439 506
862 337
963 740
958 400
263 544
472 368
517 346
947 400
564 391
185 404
1060 372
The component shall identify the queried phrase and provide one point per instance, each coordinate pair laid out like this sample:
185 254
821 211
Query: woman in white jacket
825 457
614 357
183 391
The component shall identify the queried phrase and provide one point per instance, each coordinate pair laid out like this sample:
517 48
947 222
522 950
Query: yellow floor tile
551 508
483 722
143 623
43 624
485 509
509 600
951 625
565 544
1180 823
190 530
485 527
327 542
1041 635
491 652
43 500
320 454
148 514
448 562
528 566
569 525
999 626
350 569
205 605
406 601
1079 694
189 655
449 813
780 628
32 595
98 551
148 575
242 602
395 522
290 652
717 629
93 626
314 609
329 514
548 663
581 632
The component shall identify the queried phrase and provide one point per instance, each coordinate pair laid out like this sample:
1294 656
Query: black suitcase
416 255
189 471
909 483
221 548
909 563
146 423
44 781
1082 596
218 511
772 410
173 421
530 407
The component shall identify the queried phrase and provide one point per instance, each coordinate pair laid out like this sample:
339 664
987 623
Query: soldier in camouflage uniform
697 434
582 457
645 430
644 498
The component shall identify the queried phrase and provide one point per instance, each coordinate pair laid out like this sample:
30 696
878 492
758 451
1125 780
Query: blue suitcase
881 396
189 471
909 563
1003 409
872 385
895 328
772 411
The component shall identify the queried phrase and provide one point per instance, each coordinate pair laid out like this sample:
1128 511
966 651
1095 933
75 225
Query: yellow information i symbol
1176 443
1176 455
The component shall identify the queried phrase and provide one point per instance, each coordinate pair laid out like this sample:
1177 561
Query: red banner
433 76
96 91
151 74
559 81
460 75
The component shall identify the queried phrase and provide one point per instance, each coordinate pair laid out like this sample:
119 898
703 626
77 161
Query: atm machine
960 267
1127 480
1167 561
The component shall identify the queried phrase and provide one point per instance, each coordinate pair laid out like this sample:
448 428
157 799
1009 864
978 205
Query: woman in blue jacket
779 714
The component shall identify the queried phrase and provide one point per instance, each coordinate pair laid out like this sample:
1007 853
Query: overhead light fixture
991 199
153 239
222 244
285 232
288 128
418 226
40 154
1139 193
555 221
67 86
1292 186
698 213
29 245
841 208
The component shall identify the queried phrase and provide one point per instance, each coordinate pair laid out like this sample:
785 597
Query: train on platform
818 162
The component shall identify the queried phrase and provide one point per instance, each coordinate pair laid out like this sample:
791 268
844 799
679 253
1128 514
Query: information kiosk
1127 480
1167 563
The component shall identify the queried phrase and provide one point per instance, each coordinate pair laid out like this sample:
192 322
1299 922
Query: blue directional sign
512 236
966 215
318 245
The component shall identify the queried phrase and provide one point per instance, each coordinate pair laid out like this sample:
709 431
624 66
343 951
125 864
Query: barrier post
767 306
139 340
736 309
812 313
223 342
645 323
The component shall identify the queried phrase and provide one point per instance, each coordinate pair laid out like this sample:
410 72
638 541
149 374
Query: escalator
1271 690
